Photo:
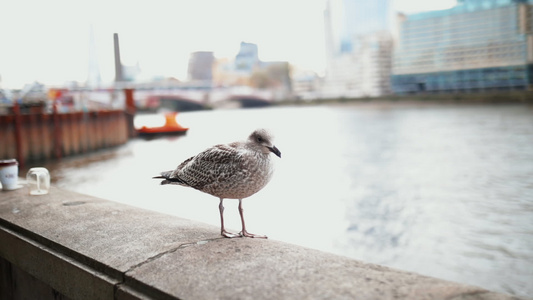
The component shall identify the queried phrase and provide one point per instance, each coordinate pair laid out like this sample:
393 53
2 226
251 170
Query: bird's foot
230 235
251 235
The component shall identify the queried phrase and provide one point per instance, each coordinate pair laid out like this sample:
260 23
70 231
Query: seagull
229 171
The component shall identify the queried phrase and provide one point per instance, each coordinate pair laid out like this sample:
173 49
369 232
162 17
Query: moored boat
171 127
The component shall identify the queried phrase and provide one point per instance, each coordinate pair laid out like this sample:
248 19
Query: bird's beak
275 150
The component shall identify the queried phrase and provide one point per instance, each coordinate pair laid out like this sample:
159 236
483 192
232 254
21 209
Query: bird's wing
208 166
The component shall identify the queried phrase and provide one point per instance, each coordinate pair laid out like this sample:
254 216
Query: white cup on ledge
9 172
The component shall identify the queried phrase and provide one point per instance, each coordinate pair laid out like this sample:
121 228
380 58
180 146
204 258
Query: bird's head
262 139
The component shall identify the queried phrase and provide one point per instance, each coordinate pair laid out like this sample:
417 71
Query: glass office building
478 45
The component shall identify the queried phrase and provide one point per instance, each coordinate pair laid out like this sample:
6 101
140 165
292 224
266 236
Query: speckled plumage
228 171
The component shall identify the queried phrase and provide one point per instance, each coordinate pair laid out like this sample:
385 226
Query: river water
442 190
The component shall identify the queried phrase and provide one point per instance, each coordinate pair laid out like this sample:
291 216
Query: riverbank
511 97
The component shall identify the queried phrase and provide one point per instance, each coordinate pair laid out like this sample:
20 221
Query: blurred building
478 45
246 69
225 74
237 71
358 48
247 58
130 73
305 85
32 93
201 66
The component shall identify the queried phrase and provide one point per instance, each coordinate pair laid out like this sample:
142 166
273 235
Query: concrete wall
66 245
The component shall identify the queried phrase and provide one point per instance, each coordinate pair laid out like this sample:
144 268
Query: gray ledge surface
89 248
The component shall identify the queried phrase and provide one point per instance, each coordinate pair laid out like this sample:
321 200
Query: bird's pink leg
244 232
223 231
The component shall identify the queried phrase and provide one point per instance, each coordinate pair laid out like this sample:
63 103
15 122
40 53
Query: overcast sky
48 41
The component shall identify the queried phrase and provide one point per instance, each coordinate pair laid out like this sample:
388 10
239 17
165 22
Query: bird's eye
259 139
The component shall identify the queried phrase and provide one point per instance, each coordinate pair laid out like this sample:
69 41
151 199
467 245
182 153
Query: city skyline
50 42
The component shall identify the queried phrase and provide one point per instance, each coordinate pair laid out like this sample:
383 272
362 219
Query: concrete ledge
88 248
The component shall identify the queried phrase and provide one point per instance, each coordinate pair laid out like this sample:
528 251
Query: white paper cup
9 172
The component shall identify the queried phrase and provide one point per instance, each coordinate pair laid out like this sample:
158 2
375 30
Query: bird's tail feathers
168 179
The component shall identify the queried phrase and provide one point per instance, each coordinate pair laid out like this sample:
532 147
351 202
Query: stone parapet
66 245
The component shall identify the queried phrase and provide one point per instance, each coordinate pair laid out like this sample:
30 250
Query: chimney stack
118 64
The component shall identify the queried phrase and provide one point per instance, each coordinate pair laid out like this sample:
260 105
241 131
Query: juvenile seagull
229 171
